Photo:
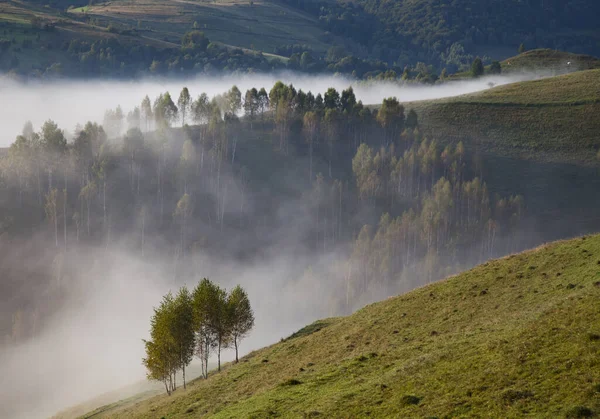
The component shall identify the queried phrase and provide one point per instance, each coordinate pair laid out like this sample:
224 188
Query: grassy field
514 337
258 25
545 61
549 60
552 119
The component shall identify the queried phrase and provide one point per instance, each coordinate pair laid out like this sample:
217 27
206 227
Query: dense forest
448 34
360 195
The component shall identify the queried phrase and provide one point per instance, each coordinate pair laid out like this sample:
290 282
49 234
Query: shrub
580 412
408 400
511 396
291 382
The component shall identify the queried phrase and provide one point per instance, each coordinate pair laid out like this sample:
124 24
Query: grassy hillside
501 340
549 60
552 119
545 61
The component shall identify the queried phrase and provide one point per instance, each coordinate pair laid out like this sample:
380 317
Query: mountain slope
397 34
552 119
500 340
424 30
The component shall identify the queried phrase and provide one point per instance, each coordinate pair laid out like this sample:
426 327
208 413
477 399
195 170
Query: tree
182 213
195 41
332 99
184 103
391 117
521 48
251 104
348 100
51 208
162 358
146 112
495 67
477 68
311 124
54 144
331 121
263 101
210 321
165 111
241 317
412 120
233 101
183 329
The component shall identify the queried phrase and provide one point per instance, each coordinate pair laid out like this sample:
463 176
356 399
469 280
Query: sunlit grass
513 337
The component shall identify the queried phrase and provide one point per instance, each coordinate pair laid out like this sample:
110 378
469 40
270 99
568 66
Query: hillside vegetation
548 119
358 37
500 340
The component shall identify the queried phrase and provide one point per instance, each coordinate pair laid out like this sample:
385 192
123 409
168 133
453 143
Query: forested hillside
363 38
445 33
380 207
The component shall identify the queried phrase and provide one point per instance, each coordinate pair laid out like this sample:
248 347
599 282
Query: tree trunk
183 367
88 216
236 349
65 216
219 356
311 160
167 387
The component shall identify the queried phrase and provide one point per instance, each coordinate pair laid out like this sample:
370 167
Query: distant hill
500 340
425 30
359 36
551 119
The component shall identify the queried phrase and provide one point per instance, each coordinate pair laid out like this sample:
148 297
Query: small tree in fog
162 358
495 67
391 117
183 329
251 104
233 101
205 337
184 103
477 67
311 126
146 112
241 317
211 321
165 111
263 101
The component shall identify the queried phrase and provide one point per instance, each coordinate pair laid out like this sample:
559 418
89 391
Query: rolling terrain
551 119
370 35
499 340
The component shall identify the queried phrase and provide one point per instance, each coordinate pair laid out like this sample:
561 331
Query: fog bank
71 102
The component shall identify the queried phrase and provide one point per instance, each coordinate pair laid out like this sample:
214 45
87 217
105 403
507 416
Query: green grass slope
552 119
514 337
549 60
546 61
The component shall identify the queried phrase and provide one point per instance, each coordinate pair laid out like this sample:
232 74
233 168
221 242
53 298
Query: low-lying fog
69 103
95 344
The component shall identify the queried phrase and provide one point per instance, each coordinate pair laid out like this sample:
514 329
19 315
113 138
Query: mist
71 102
92 342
